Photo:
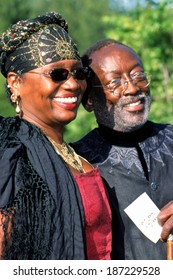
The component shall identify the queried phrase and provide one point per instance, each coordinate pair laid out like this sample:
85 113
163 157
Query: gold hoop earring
13 98
16 99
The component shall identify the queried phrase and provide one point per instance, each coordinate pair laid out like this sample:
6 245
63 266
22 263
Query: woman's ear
13 82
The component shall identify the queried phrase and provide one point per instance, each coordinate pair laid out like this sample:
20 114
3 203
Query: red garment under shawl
98 219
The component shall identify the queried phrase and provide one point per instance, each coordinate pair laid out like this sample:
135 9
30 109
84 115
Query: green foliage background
146 26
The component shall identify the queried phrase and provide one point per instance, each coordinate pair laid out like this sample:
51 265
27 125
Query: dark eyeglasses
61 74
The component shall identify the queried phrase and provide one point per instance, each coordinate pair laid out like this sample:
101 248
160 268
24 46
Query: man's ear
89 103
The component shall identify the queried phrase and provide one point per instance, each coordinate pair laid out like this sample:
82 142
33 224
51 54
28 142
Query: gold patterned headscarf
36 42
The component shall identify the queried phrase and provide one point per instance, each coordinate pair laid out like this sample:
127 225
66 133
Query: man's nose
130 87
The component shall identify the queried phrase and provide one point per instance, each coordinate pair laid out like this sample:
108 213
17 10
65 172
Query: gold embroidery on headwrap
36 42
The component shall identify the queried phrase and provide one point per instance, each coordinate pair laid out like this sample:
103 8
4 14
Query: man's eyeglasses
141 80
61 74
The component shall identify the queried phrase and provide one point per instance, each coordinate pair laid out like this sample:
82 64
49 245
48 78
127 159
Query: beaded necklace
68 154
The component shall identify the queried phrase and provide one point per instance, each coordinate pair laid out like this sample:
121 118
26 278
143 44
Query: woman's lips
66 99
66 102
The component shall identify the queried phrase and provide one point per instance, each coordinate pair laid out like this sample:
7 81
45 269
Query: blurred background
146 26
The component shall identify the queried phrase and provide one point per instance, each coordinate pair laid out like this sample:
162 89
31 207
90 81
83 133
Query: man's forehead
112 55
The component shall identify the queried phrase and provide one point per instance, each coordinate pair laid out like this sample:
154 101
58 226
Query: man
134 155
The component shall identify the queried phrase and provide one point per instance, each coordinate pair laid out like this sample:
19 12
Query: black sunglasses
61 74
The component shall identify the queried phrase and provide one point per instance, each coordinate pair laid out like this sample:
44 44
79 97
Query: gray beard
117 119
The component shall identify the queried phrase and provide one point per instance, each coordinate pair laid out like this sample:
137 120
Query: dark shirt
132 163
39 200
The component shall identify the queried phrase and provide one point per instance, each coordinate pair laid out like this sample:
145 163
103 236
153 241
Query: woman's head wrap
36 42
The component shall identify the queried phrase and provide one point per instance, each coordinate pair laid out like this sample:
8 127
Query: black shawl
40 206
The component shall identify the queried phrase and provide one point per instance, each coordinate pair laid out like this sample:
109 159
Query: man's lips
134 106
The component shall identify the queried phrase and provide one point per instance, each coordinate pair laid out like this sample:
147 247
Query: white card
143 212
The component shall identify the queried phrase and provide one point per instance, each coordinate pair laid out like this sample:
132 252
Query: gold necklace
68 154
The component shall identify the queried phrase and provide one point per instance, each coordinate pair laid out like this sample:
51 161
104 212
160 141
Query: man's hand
165 219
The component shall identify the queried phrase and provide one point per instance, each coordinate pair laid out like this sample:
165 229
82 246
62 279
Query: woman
44 213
